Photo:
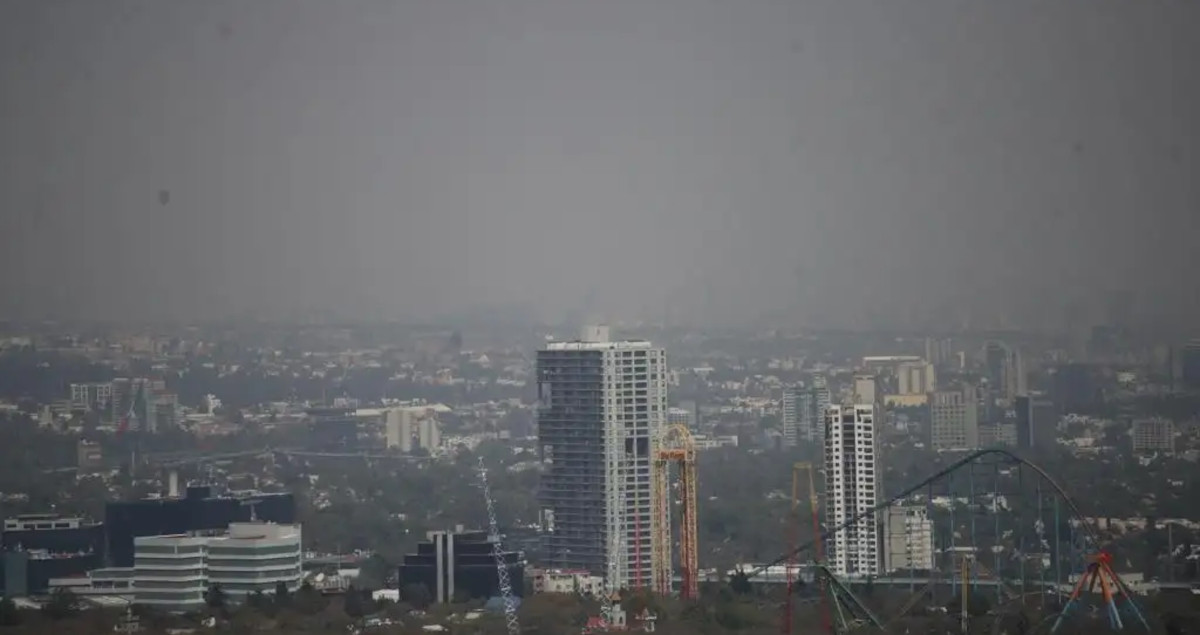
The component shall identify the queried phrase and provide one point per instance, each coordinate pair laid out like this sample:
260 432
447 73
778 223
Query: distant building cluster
161 551
408 428
135 404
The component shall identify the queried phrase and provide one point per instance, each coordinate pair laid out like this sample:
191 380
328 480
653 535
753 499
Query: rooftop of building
258 531
201 492
581 345
47 522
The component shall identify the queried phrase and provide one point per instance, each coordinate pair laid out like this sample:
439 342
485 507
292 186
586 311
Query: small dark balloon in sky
164 197
225 30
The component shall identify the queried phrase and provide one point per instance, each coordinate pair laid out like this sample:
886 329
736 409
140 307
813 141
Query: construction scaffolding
792 568
676 447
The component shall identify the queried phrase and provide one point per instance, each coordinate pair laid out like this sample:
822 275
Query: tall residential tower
601 405
803 412
852 488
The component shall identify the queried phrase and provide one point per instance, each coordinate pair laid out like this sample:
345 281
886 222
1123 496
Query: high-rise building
1153 435
819 401
1037 423
1189 365
1076 388
1005 371
802 412
852 489
94 396
939 351
601 404
398 429
789 414
916 378
954 420
429 434
908 539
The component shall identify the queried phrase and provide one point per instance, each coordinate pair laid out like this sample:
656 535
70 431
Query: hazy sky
811 160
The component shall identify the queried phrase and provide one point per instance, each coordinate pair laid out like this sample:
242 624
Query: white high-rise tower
601 405
852 488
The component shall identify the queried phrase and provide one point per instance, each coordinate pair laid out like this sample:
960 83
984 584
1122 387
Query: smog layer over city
550 317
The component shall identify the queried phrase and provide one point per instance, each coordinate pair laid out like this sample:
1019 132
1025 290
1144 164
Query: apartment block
852 489
954 420
1153 435
601 404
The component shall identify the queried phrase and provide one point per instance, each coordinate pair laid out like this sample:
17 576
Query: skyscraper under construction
601 404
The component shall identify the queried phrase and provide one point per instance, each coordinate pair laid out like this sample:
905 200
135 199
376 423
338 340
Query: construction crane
506 593
676 447
792 565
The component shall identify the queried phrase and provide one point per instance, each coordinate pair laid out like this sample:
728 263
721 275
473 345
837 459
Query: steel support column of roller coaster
1090 540
996 528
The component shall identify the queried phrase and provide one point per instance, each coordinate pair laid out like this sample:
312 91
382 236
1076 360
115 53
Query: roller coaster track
974 457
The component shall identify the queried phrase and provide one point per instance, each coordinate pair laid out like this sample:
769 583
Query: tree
257 600
283 597
308 600
352 603
417 595
739 582
10 615
215 597
62 605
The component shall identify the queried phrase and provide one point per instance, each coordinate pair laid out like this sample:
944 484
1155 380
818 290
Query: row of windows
252 551
186 549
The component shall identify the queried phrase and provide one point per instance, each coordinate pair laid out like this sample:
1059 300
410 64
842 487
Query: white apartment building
852 488
602 404
173 573
908 539
679 417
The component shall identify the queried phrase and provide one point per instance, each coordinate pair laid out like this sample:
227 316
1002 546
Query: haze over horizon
813 162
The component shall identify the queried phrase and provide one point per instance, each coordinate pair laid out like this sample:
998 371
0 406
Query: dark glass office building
198 510
459 565
333 429
1037 423
38 547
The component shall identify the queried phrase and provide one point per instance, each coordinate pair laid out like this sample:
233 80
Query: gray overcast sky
818 161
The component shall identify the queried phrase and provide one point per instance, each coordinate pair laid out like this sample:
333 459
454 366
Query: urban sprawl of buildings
589 414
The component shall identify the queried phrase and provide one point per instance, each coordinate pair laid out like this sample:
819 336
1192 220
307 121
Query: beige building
866 389
908 540
954 420
916 378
